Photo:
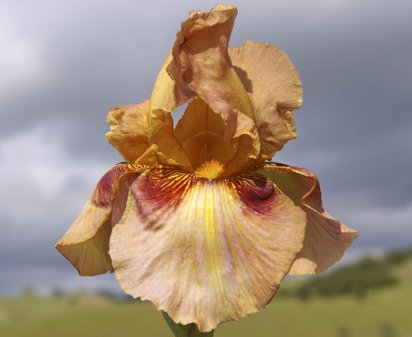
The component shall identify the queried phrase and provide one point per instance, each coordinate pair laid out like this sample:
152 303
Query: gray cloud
67 63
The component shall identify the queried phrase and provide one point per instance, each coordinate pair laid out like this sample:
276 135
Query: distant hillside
359 278
384 312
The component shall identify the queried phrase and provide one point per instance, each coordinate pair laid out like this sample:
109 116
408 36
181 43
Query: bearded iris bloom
197 220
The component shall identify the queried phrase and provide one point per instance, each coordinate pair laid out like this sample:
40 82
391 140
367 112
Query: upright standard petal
201 67
205 251
275 91
201 63
201 132
129 132
86 243
326 238
165 98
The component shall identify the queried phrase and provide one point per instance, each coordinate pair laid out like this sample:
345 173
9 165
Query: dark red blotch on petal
256 192
106 188
159 191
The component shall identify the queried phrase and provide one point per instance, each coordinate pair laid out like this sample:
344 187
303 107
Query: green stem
180 330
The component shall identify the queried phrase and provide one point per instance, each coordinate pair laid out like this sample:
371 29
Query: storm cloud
65 64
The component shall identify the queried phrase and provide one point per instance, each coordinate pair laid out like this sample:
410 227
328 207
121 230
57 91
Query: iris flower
196 219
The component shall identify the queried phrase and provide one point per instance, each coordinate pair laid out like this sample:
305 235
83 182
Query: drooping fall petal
205 251
275 90
86 243
129 132
326 238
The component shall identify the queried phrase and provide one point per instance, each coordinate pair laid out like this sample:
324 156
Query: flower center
211 169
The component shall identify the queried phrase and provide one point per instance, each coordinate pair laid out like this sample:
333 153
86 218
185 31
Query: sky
64 64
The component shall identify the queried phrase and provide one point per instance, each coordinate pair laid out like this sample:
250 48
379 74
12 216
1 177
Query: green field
383 312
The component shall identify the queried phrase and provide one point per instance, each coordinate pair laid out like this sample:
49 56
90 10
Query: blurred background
64 64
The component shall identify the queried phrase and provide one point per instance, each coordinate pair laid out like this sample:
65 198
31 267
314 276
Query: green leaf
180 330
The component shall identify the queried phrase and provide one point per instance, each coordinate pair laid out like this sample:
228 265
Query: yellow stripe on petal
86 243
210 170
205 251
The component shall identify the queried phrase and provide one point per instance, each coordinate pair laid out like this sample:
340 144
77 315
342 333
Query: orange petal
164 99
201 67
201 63
86 243
201 132
129 132
326 238
205 251
275 90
